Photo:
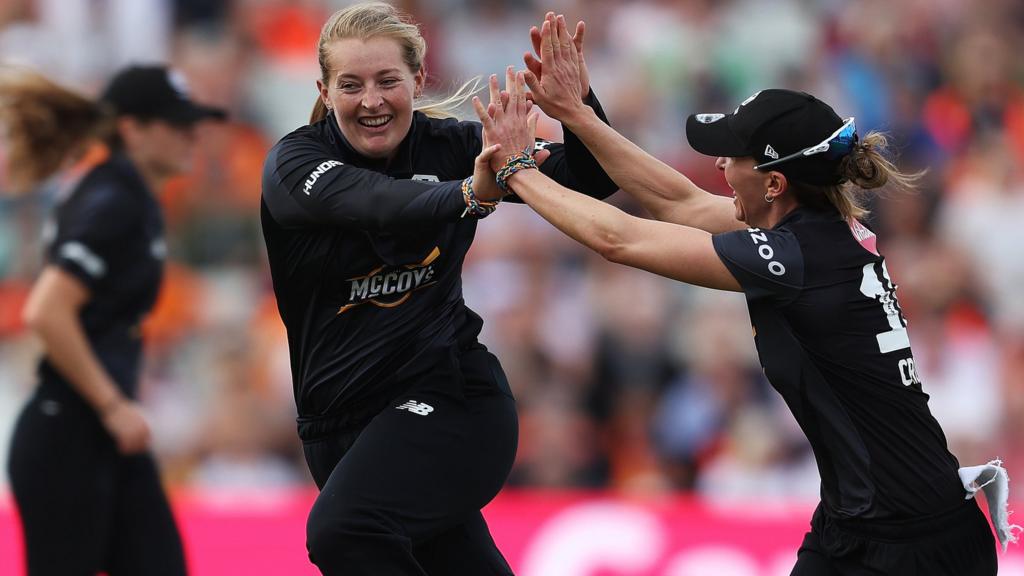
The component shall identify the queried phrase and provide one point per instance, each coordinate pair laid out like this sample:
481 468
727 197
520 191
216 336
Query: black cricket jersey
108 233
833 341
366 258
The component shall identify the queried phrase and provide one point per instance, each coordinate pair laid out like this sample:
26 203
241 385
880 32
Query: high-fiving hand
559 80
509 120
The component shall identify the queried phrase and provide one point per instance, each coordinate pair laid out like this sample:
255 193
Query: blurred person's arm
52 312
668 195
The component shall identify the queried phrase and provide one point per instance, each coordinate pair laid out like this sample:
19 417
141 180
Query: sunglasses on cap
839 144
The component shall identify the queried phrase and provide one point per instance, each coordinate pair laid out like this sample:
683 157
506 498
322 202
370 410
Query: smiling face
370 91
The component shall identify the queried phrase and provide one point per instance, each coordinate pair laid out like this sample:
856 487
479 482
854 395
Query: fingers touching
507 108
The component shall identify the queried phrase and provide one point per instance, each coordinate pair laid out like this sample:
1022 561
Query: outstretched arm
304 185
678 252
668 195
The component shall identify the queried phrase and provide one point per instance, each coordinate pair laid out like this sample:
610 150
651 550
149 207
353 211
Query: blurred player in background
407 421
86 485
828 328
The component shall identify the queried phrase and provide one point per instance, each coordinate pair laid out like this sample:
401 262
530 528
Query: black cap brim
711 134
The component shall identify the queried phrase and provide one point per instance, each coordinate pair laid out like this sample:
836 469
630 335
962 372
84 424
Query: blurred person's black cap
784 130
156 92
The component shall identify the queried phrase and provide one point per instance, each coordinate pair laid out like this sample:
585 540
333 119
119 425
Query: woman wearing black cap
828 329
86 486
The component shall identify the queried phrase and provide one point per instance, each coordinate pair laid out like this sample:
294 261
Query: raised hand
558 90
536 66
509 119
558 87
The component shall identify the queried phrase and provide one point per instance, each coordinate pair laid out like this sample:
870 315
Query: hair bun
864 166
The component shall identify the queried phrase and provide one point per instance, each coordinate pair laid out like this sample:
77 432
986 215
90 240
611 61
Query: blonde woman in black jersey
407 422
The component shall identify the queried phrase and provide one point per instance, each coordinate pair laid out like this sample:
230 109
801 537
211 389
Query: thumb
487 153
535 38
541 155
531 123
532 63
577 38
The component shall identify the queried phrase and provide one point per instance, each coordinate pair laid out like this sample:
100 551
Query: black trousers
402 496
955 543
85 508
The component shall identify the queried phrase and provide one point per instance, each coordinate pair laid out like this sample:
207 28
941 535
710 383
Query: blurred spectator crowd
624 380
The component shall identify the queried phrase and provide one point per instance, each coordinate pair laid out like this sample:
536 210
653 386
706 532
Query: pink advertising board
541 533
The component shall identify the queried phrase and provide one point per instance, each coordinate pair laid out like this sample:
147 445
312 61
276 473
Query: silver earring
768 199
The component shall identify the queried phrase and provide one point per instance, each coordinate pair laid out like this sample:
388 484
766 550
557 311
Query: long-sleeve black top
366 258
833 341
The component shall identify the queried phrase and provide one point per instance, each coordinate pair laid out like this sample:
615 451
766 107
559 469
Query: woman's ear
129 129
419 80
324 96
777 184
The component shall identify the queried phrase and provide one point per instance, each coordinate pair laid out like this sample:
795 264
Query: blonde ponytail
319 111
865 168
447 107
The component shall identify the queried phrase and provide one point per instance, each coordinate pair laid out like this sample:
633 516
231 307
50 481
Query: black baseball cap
156 92
782 130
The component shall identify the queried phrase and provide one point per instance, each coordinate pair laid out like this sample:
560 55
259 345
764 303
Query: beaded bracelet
475 206
521 161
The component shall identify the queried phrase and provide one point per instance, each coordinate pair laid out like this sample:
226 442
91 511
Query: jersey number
872 287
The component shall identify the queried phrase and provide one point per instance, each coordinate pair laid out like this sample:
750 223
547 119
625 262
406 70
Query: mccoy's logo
388 287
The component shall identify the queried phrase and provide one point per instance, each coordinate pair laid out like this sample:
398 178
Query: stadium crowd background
624 380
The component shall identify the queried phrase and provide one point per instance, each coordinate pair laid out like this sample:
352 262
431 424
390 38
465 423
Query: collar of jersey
120 161
806 212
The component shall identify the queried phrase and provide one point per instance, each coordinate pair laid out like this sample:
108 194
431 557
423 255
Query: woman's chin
740 214
371 144
376 150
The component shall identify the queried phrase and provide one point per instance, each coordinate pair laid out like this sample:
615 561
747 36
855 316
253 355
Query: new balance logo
771 153
421 408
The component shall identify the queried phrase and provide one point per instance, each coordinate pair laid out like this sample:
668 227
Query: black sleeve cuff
588 175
